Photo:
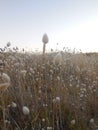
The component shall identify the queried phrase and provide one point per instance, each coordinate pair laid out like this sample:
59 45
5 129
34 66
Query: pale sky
71 23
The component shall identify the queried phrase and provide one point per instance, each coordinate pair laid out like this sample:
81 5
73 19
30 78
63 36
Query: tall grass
51 96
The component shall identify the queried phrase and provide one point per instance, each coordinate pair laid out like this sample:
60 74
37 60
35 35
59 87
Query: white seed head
57 99
81 95
54 100
4 81
32 71
73 122
26 110
7 121
58 78
58 58
45 105
45 38
91 120
5 77
43 120
14 104
51 71
49 128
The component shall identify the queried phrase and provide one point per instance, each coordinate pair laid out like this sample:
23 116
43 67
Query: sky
70 23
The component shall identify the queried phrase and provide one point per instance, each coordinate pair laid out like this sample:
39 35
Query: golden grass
59 96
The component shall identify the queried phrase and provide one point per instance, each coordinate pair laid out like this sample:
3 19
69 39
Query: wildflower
54 100
7 121
32 71
45 38
51 71
81 95
70 85
14 104
58 58
94 90
5 77
73 122
43 120
45 105
26 110
58 78
4 81
91 120
49 128
58 99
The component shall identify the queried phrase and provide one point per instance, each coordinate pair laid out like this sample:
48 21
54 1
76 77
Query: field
50 93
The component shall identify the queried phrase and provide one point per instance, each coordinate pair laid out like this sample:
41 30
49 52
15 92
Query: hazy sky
71 23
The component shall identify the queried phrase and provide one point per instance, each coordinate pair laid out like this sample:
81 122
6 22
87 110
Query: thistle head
45 39
4 81
26 110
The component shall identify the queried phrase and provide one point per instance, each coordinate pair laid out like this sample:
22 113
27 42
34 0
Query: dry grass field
50 93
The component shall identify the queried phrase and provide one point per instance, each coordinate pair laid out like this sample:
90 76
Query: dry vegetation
48 95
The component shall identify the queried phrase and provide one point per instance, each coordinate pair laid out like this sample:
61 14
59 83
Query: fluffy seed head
58 58
45 38
73 122
4 81
14 104
49 128
26 110
58 99
91 120
5 78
